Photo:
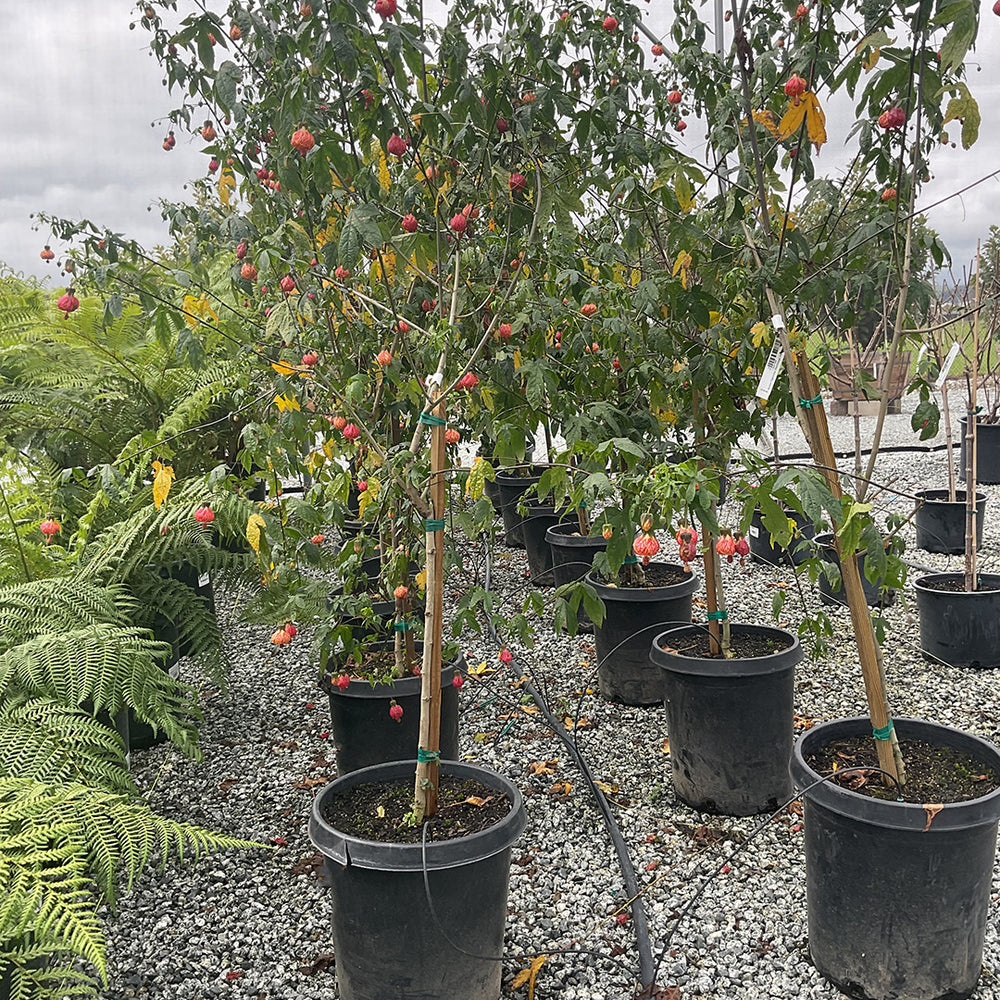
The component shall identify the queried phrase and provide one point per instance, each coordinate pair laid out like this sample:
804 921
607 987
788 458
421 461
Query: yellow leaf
162 482
869 63
528 976
421 580
684 192
761 334
195 308
286 403
227 184
517 359
369 496
766 119
254 525
606 788
682 265
384 177
283 369
807 109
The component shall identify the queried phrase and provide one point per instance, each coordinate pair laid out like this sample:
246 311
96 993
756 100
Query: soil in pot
363 731
940 522
729 719
378 811
633 617
958 627
425 919
898 893
933 773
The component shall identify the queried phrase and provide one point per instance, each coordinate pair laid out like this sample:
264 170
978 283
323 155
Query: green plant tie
978 409
582 505
403 626
631 560
808 404
435 524
885 733
431 420
428 756
717 616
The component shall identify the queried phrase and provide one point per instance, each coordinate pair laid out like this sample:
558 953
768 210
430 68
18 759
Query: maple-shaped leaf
162 481
476 800
254 525
528 976
543 766
805 108
766 118
965 109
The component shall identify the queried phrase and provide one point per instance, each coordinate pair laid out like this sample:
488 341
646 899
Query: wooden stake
971 456
426 782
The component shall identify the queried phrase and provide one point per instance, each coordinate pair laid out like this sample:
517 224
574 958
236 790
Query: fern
47 741
107 668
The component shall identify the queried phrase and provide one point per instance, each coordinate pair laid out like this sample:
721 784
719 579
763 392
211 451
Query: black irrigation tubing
897 449
643 943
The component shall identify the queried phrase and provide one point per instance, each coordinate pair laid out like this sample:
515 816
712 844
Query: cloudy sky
79 93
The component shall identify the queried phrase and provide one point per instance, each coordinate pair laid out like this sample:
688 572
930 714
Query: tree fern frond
50 742
56 604
107 668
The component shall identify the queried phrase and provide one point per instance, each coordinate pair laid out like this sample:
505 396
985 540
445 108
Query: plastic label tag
753 531
204 580
948 362
770 374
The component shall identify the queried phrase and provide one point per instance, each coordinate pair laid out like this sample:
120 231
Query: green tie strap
428 756
717 616
434 524
431 420
885 733
403 626
808 404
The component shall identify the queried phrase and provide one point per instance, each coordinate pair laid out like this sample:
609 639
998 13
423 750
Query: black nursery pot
940 522
510 488
957 627
535 525
987 452
729 721
365 734
572 557
633 615
387 939
897 896
763 550
874 597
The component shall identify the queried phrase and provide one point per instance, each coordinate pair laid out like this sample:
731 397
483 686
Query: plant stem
13 528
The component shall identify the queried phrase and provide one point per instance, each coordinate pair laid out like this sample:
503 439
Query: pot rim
751 666
569 540
535 474
348 850
666 592
926 496
920 585
891 814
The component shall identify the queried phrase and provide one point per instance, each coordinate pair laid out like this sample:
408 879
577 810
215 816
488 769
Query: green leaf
965 109
925 419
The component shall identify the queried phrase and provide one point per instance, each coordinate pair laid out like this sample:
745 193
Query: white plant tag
946 367
770 374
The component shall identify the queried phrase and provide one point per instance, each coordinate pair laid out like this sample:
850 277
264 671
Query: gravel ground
187 932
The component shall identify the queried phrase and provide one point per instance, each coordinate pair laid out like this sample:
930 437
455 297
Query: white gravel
266 915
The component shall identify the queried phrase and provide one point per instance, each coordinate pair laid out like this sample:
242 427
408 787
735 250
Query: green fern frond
57 604
107 668
47 741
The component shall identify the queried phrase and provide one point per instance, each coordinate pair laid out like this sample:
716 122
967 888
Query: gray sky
79 92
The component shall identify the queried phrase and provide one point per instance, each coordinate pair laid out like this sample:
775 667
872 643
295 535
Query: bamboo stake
971 456
426 782
708 557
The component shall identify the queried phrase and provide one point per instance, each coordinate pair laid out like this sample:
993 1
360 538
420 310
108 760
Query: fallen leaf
932 809
309 783
321 964
308 863
233 974
561 788
665 746
582 723
528 976
651 866
475 800
280 841
543 766
606 788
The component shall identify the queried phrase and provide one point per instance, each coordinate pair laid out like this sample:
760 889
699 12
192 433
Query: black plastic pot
632 616
572 558
729 721
387 939
762 548
534 530
940 522
511 487
363 731
987 452
874 597
960 628
897 895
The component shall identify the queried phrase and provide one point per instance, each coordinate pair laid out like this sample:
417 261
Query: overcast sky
79 92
